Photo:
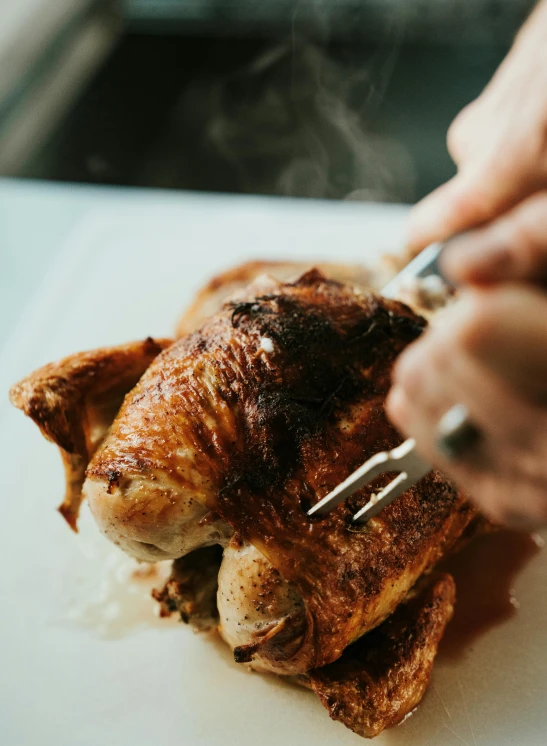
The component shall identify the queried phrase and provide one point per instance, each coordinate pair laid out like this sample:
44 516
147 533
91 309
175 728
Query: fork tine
372 468
403 459
390 492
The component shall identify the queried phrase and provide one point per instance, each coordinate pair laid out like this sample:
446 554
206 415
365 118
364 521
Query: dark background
352 101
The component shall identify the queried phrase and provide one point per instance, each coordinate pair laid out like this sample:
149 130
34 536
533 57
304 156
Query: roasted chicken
213 459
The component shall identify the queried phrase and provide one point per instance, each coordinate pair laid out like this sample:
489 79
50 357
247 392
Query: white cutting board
83 662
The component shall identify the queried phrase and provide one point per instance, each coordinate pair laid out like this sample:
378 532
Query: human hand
488 352
512 248
499 143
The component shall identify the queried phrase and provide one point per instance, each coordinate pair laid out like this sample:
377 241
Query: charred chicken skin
228 438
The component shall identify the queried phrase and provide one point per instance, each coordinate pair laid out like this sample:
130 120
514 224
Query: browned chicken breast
216 454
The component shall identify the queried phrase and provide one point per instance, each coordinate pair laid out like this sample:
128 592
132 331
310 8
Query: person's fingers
459 138
512 248
503 471
504 329
499 143
474 473
491 474
421 376
409 418
437 372
439 215
489 352
473 197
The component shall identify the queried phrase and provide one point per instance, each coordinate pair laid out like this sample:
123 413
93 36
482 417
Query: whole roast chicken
210 449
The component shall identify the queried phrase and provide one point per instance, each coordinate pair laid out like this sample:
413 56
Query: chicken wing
74 401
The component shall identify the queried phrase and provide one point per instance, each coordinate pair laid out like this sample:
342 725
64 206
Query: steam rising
297 122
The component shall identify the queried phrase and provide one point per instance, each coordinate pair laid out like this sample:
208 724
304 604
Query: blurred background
338 99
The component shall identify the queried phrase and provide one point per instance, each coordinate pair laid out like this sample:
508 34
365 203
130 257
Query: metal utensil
425 264
404 458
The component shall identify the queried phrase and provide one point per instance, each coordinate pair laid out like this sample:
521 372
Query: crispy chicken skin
254 418
376 682
74 401
384 675
210 298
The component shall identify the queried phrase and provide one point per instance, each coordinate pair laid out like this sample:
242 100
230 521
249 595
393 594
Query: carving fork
404 458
